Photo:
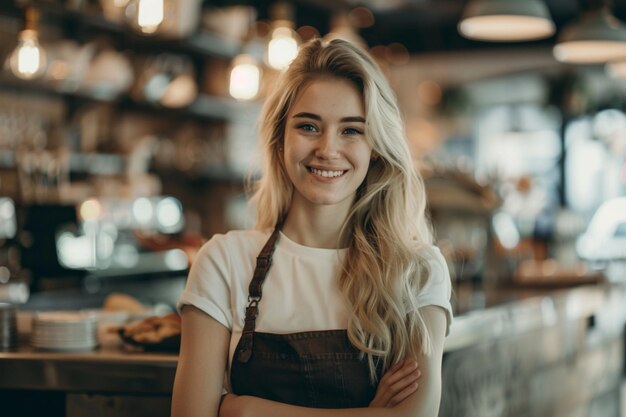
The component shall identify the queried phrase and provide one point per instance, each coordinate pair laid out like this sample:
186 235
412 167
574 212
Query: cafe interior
128 138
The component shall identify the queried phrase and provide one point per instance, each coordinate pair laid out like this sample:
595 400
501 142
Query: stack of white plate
64 331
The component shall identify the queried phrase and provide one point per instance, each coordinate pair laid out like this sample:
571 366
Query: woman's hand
230 406
397 384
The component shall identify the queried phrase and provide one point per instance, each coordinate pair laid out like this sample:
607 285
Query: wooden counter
105 382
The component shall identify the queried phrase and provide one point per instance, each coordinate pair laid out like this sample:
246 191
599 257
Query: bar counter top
486 315
492 313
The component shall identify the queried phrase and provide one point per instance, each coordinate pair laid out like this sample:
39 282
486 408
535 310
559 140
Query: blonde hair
389 234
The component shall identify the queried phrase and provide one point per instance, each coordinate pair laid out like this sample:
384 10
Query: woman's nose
327 147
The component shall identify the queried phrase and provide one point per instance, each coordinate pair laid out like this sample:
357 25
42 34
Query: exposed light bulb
245 78
90 210
282 49
150 15
28 60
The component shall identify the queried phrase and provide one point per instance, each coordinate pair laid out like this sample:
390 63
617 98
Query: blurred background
128 128
128 134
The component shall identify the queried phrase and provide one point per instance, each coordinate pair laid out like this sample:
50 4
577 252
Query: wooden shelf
206 175
113 164
80 163
204 106
201 43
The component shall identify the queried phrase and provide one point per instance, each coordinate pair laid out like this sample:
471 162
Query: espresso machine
101 239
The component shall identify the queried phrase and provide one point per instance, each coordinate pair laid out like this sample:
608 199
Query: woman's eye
307 127
352 131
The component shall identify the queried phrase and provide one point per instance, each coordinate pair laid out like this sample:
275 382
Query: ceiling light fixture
506 20
598 37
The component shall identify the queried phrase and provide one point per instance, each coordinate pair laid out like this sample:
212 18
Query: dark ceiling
425 25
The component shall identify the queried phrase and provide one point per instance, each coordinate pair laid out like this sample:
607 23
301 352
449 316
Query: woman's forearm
248 406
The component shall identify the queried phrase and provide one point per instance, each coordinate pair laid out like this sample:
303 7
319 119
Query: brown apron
320 369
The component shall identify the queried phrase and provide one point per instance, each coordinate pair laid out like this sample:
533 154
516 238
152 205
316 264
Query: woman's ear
374 157
280 150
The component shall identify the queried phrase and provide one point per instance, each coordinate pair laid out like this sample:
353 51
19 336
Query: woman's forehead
329 96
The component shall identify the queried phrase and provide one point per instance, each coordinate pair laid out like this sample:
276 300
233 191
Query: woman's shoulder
436 261
437 289
235 237
430 252
234 242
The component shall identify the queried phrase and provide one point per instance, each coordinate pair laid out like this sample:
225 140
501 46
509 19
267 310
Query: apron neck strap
263 264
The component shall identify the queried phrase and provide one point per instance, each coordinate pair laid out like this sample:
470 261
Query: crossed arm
204 348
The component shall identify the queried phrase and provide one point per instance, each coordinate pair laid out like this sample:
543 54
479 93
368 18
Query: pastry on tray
157 333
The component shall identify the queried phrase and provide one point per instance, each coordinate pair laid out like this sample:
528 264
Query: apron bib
320 369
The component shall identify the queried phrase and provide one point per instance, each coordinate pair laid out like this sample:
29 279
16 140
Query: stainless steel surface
511 312
550 353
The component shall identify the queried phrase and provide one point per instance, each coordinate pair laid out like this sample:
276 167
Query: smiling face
326 153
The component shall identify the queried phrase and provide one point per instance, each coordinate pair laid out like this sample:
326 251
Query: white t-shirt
300 293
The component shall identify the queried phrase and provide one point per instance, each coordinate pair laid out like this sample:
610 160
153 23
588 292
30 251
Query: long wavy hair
387 229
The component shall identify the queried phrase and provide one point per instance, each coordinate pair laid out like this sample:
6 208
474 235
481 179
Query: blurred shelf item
97 163
551 273
7 159
226 108
455 190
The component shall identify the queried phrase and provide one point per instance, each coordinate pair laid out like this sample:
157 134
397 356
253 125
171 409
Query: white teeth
328 174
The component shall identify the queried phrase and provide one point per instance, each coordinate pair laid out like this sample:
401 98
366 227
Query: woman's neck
317 228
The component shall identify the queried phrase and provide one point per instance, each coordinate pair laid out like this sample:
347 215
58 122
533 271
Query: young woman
338 301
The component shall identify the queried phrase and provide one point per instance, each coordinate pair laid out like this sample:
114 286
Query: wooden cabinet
123 145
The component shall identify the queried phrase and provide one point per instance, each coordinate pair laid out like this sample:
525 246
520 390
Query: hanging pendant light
284 41
28 59
245 77
598 37
146 16
506 20
282 48
150 15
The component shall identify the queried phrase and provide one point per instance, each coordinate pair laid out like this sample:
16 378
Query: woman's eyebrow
357 119
306 115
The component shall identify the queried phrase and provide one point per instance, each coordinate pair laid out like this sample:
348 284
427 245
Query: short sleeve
438 288
208 283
